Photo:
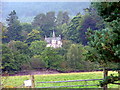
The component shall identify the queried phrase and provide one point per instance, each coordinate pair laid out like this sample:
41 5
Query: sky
56 1
46 0
59 0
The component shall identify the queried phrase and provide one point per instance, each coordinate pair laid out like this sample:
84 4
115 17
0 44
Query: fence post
119 76
105 71
32 80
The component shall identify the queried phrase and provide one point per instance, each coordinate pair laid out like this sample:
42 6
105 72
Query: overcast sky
46 0
59 0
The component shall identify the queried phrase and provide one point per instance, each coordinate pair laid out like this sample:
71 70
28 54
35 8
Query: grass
16 81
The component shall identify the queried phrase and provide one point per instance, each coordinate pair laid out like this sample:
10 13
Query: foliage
4 30
61 29
37 62
73 29
76 59
106 42
32 36
7 59
37 47
110 79
45 21
31 50
112 18
18 46
75 56
109 11
26 28
90 20
14 27
14 55
52 58
62 18
102 41
80 23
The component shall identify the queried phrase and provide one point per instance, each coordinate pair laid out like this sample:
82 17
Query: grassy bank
16 81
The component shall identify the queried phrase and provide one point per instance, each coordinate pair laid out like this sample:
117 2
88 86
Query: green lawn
16 81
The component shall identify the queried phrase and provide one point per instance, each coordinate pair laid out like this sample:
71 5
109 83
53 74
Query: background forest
91 40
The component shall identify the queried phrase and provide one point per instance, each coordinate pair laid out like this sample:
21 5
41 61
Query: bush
37 63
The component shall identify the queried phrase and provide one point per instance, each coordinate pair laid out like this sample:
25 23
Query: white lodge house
55 42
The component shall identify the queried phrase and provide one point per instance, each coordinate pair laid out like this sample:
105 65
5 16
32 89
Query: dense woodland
90 41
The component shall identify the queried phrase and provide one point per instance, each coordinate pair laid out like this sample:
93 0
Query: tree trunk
105 71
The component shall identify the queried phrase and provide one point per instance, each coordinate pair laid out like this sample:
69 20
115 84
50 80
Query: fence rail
70 81
68 86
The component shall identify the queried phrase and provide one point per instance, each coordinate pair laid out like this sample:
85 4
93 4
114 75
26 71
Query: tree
37 47
8 62
46 22
106 42
15 54
73 32
109 11
80 23
65 18
39 20
102 42
61 30
14 27
32 36
26 28
90 20
112 31
37 62
52 58
75 56
20 47
4 31
62 18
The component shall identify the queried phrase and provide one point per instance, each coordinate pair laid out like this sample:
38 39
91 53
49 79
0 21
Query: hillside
27 10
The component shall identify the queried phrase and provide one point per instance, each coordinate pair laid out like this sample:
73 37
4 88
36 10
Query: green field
17 81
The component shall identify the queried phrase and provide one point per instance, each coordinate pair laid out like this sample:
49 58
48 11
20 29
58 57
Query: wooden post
119 73
32 80
118 76
105 71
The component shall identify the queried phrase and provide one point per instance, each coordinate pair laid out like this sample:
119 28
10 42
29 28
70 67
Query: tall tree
75 57
109 36
14 27
65 18
80 23
73 32
107 41
62 18
46 22
39 20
